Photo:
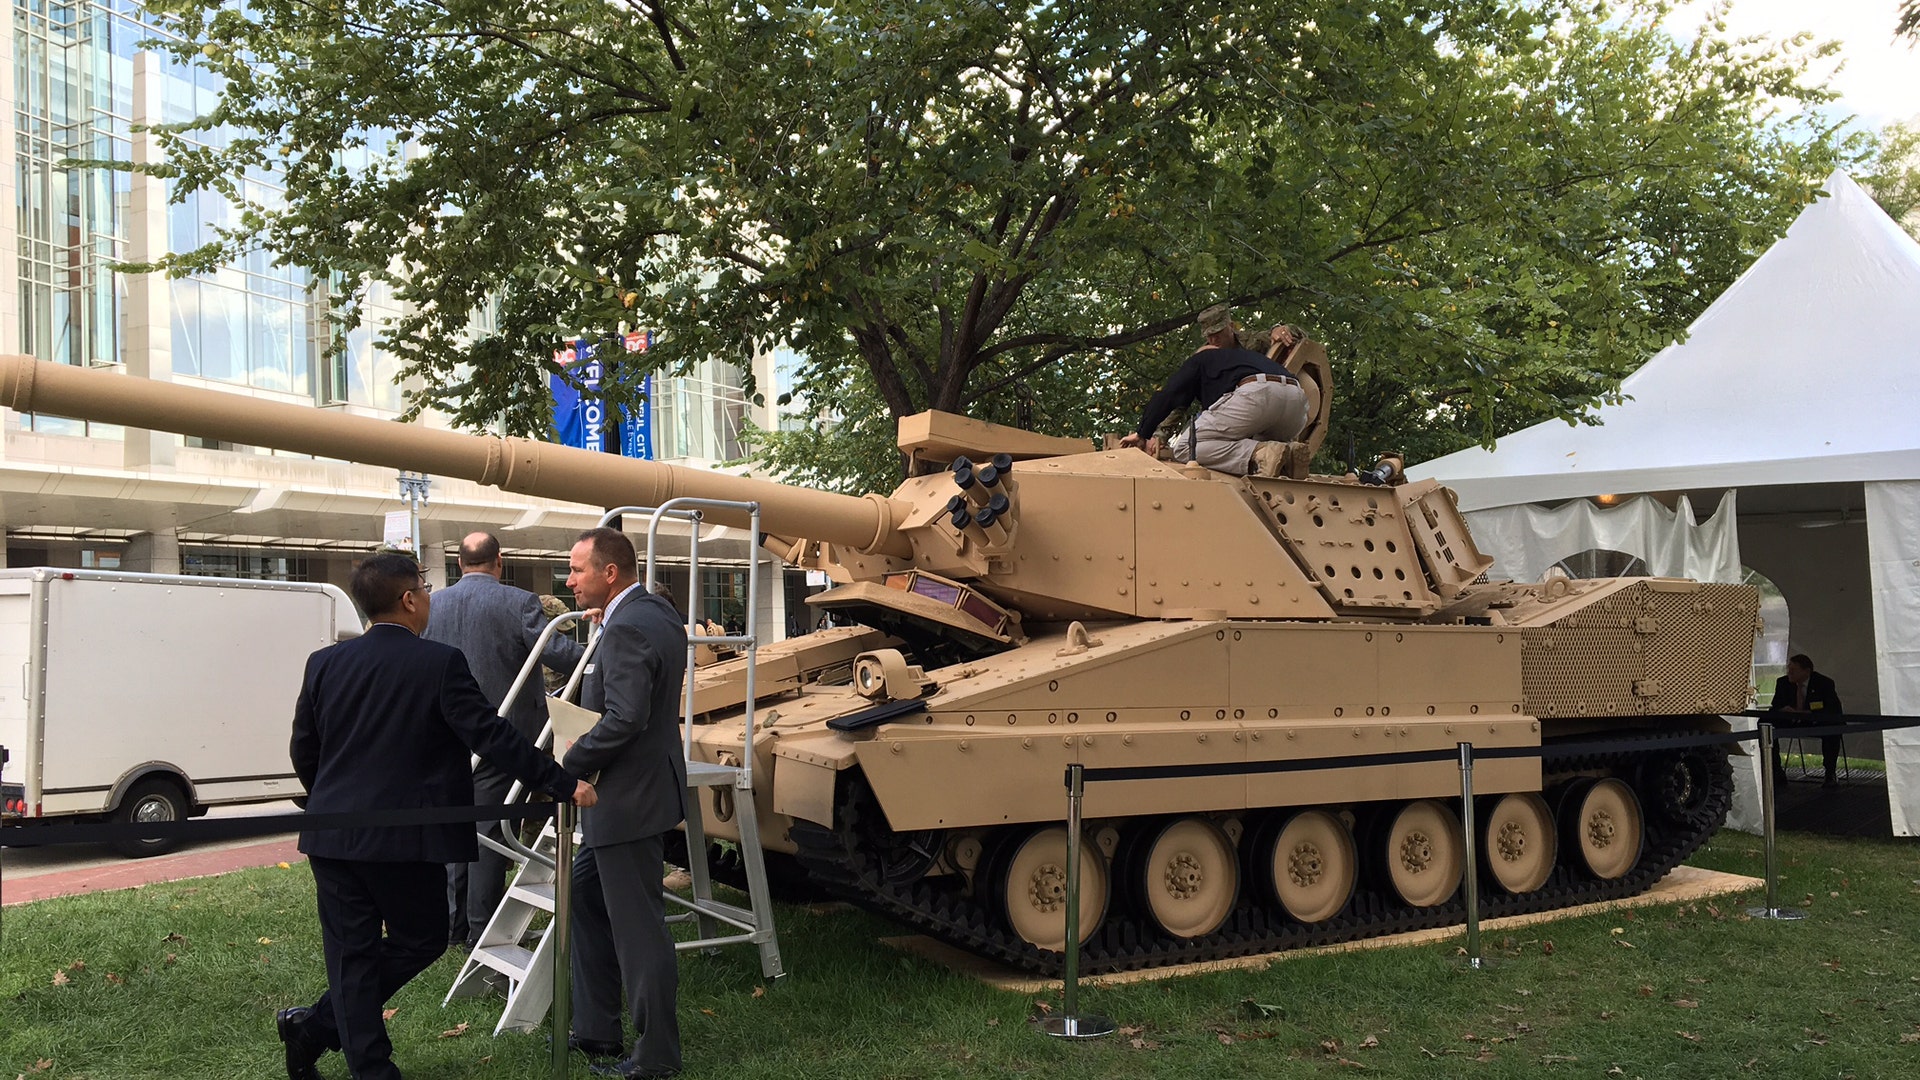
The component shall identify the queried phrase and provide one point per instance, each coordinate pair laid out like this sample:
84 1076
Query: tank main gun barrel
523 466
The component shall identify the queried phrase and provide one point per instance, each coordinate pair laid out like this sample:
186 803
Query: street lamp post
413 488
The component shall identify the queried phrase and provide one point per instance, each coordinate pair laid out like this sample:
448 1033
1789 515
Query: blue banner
580 415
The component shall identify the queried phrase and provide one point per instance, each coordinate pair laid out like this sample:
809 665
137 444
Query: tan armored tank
1023 604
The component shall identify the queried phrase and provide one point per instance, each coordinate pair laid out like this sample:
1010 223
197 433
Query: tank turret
1024 601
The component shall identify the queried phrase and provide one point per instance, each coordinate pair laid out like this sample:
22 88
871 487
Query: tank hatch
941 621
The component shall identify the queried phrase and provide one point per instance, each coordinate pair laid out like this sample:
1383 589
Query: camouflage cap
1215 319
553 606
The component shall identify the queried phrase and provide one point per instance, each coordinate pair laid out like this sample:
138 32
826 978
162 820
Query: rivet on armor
965 746
894 747
1236 633
1111 717
1429 710
1399 637
1203 737
1369 710
1338 711
1219 714
1053 718
1053 684
1386 710
1292 734
1239 714
1273 714
1156 504
1185 714
1026 744
1126 740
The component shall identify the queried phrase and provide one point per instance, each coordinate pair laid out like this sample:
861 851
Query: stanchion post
1772 910
1070 1024
564 817
1469 827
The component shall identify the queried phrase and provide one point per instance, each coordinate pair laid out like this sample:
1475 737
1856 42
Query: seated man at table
1810 700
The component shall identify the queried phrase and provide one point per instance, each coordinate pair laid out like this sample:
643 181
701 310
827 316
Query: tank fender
809 765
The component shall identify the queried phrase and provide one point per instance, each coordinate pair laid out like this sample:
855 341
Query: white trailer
151 697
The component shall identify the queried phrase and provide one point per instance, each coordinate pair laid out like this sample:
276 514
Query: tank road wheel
1677 787
1033 888
1189 876
1425 854
1605 827
1314 866
1520 842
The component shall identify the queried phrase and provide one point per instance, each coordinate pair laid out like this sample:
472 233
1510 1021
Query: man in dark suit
1810 700
620 939
386 721
496 627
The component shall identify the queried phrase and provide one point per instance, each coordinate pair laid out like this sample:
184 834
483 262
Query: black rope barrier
51 834
1854 725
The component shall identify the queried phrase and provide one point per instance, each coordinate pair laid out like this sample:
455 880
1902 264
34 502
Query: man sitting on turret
1253 407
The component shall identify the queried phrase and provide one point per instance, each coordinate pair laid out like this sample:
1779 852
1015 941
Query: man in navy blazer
496 627
384 722
1812 700
621 941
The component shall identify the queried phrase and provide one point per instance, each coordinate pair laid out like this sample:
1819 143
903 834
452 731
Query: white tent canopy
1800 386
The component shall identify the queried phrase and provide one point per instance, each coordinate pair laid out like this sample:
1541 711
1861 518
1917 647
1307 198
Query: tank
1022 602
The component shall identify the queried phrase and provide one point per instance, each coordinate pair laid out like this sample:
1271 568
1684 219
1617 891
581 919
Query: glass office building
74 494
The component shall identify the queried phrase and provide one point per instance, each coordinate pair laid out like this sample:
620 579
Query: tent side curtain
1893 557
1526 540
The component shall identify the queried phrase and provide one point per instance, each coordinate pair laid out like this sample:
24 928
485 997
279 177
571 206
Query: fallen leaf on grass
711 1013
1349 1062
455 1031
1261 1011
1143 1044
1225 1039
174 939
284 866
1546 948
387 1014
42 1065
1329 1046
1616 1071
1645 990
265 941
1911 1037
1606 1014
1558 1059
1624 943
759 991
170 959
1618 930
115 980
1685 1003
60 978
1369 1042
1688 1035
1817 1038
1042 1008
993 1021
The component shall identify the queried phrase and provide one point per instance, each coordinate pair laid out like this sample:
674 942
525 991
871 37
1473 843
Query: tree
1894 181
1489 210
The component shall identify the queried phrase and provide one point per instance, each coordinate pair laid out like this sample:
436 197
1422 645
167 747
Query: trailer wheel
153 799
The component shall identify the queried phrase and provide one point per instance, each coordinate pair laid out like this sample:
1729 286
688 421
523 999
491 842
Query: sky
1880 81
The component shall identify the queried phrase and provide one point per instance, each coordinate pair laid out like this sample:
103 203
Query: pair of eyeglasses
425 586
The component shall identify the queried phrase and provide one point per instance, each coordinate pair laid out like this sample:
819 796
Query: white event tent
1799 389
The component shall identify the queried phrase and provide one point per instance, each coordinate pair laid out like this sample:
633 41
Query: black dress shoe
595 1048
302 1049
628 1070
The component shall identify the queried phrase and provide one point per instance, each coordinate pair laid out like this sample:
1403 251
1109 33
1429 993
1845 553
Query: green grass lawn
181 980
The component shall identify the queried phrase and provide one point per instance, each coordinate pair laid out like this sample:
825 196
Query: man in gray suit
621 940
496 626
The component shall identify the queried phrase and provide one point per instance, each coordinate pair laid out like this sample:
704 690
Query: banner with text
581 416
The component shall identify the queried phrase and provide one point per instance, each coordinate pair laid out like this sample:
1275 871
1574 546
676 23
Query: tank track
839 862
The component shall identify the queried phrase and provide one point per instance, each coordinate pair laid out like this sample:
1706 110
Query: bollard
1070 1024
564 816
1772 910
1474 961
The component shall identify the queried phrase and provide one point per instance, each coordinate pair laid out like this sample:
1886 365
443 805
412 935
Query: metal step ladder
511 947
